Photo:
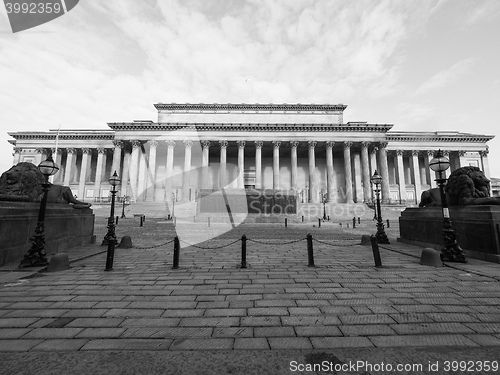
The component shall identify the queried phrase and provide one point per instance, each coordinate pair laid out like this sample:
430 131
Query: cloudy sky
422 65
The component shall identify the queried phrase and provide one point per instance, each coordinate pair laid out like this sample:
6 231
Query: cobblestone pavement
277 303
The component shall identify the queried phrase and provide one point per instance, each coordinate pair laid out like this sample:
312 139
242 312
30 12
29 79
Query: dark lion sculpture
466 186
23 182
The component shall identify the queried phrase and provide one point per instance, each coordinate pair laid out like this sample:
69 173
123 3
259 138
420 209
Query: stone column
313 193
330 173
205 172
169 168
462 160
431 174
99 172
348 172
134 166
373 167
448 171
293 152
367 191
223 159
39 155
125 172
357 175
141 179
70 161
258 164
117 155
86 152
17 155
276 165
151 171
384 171
486 165
401 175
186 176
416 175
241 164
56 156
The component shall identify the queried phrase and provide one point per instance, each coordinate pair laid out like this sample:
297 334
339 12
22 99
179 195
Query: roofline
251 107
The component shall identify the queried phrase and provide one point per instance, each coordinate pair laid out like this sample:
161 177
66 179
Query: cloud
446 77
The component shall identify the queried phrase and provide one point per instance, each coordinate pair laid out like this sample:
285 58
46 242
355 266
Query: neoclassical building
305 149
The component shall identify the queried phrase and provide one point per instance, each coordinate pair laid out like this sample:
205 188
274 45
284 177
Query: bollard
302 218
359 220
243 251
388 226
286 222
168 217
143 217
319 223
208 221
340 225
354 222
376 252
328 217
347 225
177 246
116 220
310 254
141 220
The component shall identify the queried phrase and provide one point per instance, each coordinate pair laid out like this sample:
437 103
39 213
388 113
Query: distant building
306 149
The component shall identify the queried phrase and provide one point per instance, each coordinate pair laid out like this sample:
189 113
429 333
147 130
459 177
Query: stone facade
306 149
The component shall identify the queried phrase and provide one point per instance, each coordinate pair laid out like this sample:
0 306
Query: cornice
229 107
75 135
436 137
302 127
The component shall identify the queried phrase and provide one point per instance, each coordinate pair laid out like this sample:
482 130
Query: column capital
430 153
484 153
72 150
276 144
446 153
329 144
365 144
241 144
258 144
135 143
415 152
170 143
462 153
86 150
59 150
347 144
153 143
312 144
205 144
383 144
118 143
400 152
39 150
101 150
374 150
294 144
17 150
188 143
223 144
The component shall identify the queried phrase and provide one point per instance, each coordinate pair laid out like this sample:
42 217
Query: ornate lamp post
323 200
376 179
451 251
110 237
173 205
123 207
36 257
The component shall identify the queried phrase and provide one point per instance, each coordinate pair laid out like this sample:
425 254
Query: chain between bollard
211 248
276 243
339 243
152 247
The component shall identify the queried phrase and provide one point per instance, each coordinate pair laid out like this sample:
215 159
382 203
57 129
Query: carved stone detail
72 150
276 144
312 144
365 144
118 143
415 152
223 144
136 144
400 152
101 150
329 144
347 144
170 143
259 144
205 144
188 143
241 144
153 143
294 144
86 150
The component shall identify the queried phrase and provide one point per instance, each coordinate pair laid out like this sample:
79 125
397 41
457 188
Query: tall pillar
258 164
98 172
40 151
293 152
125 187
223 160
151 171
486 165
431 174
461 157
313 189
276 165
70 163
373 167
205 175
186 176
241 164
447 172
384 171
348 172
17 155
56 156
330 176
357 174
367 191
416 175
401 175
169 170
134 167
117 155
86 152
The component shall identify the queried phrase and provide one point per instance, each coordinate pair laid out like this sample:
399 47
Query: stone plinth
477 228
65 227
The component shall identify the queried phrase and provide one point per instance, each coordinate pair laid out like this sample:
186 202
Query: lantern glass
376 178
48 167
439 163
114 179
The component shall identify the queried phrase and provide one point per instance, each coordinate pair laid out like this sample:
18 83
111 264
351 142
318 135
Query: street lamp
323 200
173 205
451 251
110 237
123 207
376 179
36 256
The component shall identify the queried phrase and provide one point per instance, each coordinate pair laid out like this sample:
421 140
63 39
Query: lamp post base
36 256
381 235
451 251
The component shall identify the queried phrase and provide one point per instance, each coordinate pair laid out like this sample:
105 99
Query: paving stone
85 313
275 303
128 313
422 340
233 332
169 332
484 340
210 322
251 343
257 321
309 331
183 313
411 318
417 308
13 333
304 311
340 342
267 311
128 344
366 319
273 332
484 327
452 317
60 345
102 332
488 317
225 312
44 313
289 343
17 322
366 330
53 333
149 322
310 320
95 322
203 344
419 328
18 345
336 310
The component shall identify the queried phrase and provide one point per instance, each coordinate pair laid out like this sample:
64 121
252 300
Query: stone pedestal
65 227
477 229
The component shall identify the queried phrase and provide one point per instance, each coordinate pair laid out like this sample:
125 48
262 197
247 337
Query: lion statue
466 186
23 182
